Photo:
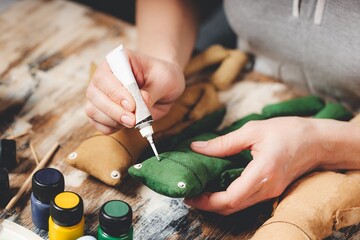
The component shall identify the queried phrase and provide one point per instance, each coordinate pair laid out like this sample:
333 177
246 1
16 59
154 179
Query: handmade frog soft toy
184 173
108 157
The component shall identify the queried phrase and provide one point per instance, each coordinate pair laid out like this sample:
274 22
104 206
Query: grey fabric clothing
320 54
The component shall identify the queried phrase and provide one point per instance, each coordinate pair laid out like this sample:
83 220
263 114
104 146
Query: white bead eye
181 185
138 166
115 174
72 155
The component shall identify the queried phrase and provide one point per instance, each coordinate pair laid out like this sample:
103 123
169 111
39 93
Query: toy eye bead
181 184
138 166
115 174
72 155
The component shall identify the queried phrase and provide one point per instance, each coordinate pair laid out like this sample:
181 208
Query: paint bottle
66 221
46 184
115 221
4 187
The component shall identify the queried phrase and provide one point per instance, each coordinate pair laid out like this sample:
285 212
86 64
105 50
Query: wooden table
46 50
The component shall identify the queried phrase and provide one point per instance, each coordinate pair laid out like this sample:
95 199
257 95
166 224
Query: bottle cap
67 209
5 194
86 237
8 154
4 181
47 183
146 131
115 218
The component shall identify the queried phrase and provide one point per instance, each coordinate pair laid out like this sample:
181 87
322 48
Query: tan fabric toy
213 55
356 119
229 69
108 157
314 206
231 63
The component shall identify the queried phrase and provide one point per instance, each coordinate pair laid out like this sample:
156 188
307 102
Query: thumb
225 145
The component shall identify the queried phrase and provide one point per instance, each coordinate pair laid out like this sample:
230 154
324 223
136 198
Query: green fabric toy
239 123
184 173
334 111
303 106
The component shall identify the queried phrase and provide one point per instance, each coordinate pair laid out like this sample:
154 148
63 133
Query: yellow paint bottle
66 221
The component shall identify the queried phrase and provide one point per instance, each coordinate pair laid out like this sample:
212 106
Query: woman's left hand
282 148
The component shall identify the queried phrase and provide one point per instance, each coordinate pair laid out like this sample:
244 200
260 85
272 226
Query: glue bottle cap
147 130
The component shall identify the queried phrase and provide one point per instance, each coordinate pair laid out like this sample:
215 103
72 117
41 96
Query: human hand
111 106
282 148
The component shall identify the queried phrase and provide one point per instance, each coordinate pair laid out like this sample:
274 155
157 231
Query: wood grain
46 50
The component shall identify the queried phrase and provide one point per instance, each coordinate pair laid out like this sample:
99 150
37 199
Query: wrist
338 144
165 52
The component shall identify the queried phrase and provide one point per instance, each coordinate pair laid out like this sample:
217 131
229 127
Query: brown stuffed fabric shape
314 206
231 62
108 158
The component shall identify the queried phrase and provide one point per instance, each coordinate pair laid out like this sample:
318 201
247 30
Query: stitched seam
186 167
289 224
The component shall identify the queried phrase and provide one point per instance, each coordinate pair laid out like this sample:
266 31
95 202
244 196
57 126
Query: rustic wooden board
46 49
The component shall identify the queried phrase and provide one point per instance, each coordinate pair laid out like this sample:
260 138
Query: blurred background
212 17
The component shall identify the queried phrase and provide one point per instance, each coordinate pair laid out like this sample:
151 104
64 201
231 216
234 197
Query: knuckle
225 143
90 92
278 190
113 113
222 142
225 212
233 201
90 110
273 193
116 94
233 204
106 130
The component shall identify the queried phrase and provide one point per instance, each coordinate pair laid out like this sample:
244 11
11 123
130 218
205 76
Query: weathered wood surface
46 48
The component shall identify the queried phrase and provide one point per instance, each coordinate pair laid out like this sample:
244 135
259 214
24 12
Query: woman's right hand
111 106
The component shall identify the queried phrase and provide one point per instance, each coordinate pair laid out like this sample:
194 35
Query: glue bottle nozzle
146 131
152 144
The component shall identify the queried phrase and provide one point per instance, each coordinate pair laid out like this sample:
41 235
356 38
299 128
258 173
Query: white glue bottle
120 66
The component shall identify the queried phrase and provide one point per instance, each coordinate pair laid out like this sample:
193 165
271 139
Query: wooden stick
34 154
12 137
27 182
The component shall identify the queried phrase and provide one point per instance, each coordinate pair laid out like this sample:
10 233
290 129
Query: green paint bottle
115 221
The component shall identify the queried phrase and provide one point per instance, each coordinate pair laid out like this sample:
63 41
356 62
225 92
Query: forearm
166 29
340 143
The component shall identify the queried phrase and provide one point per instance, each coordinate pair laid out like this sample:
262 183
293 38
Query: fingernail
126 105
200 144
127 121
